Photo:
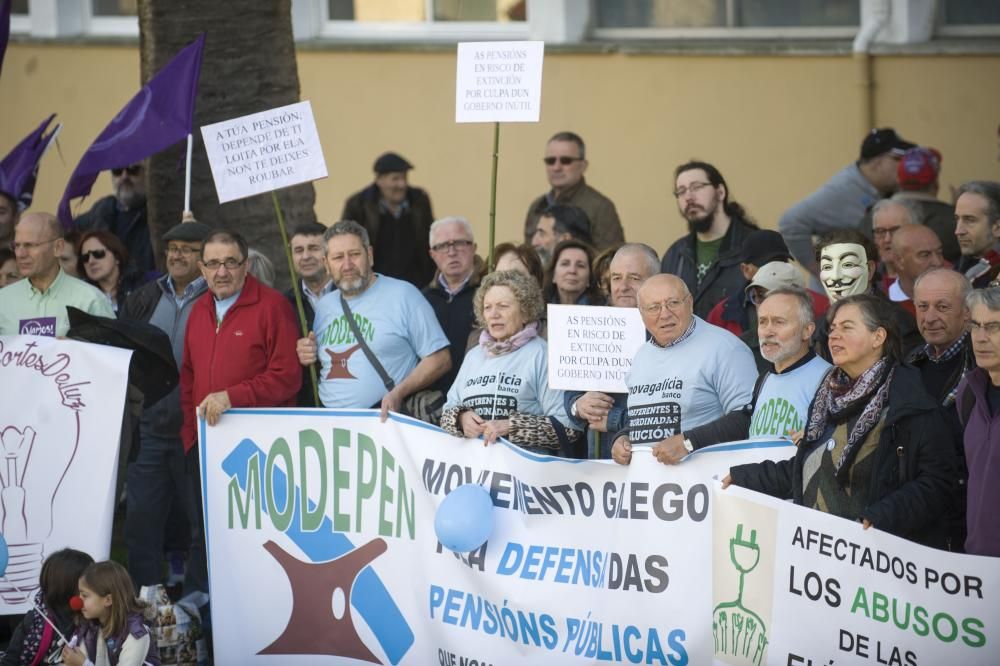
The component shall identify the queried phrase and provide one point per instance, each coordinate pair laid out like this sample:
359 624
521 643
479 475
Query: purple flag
5 7
158 116
19 168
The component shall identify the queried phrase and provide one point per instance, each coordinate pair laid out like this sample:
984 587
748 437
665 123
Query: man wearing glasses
157 478
124 214
37 305
979 409
708 257
565 163
239 351
687 374
450 293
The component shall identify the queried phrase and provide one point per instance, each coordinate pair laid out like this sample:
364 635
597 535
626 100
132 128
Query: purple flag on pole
5 7
19 168
158 116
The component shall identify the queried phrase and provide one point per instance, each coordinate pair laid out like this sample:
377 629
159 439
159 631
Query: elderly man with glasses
687 374
124 214
37 306
239 351
450 293
565 163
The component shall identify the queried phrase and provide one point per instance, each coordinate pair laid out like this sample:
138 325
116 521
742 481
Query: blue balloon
4 555
464 520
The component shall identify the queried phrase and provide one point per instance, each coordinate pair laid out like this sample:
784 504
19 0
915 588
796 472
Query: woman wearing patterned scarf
502 387
875 449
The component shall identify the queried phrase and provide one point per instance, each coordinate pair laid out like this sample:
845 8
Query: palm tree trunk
249 66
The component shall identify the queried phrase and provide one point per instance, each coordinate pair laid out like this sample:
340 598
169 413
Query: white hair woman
502 387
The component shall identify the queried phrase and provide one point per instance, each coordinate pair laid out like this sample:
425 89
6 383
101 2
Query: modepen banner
61 405
322 549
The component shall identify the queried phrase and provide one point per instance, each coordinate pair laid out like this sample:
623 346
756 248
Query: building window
113 18
439 20
967 18
733 18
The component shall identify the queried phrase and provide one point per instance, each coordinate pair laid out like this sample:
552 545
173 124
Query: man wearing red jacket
239 351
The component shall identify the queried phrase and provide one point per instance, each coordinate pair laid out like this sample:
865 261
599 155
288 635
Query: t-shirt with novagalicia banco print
693 382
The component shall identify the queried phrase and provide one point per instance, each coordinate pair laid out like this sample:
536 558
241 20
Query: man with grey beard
124 214
780 397
406 349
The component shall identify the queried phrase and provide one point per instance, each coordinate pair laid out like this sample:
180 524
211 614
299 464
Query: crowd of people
878 355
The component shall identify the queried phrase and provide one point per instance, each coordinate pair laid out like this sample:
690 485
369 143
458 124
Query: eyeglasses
564 160
30 246
881 232
693 188
991 327
672 304
133 170
230 264
448 246
96 254
182 250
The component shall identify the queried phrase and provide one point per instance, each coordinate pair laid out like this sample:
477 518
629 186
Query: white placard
499 82
60 419
264 151
591 348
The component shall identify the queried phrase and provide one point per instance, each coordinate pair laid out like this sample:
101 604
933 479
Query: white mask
843 270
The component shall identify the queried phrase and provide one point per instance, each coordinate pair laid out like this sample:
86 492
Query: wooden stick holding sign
498 82
264 152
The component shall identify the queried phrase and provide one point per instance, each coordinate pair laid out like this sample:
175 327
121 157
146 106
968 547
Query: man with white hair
888 217
597 412
782 395
450 293
687 374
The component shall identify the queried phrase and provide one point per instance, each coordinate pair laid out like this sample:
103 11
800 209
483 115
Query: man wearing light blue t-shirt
782 396
396 322
687 374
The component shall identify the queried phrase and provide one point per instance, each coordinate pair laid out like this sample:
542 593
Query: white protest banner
797 586
499 82
591 348
61 405
264 151
326 519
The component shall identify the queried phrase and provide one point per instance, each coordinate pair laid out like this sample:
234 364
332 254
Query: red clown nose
76 603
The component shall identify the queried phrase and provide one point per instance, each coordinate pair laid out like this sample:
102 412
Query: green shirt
707 252
24 309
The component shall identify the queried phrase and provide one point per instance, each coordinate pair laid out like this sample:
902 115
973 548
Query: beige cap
777 274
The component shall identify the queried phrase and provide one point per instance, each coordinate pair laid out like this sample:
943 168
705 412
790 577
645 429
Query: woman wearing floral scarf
875 448
502 387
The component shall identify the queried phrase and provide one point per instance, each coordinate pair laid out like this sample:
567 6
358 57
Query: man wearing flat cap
157 478
842 202
398 220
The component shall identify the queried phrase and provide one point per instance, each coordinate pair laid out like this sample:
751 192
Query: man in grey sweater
841 202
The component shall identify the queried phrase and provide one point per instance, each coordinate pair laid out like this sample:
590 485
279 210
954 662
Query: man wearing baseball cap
842 201
398 220
917 176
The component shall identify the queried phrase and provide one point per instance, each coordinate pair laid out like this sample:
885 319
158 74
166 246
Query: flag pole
296 289
493 193
187 176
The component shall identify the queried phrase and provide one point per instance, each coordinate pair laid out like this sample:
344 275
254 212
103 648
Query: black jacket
915 478
723 278
363 208
457 319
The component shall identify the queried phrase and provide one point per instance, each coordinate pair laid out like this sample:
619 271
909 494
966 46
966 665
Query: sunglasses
562 159
96 254
133 170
